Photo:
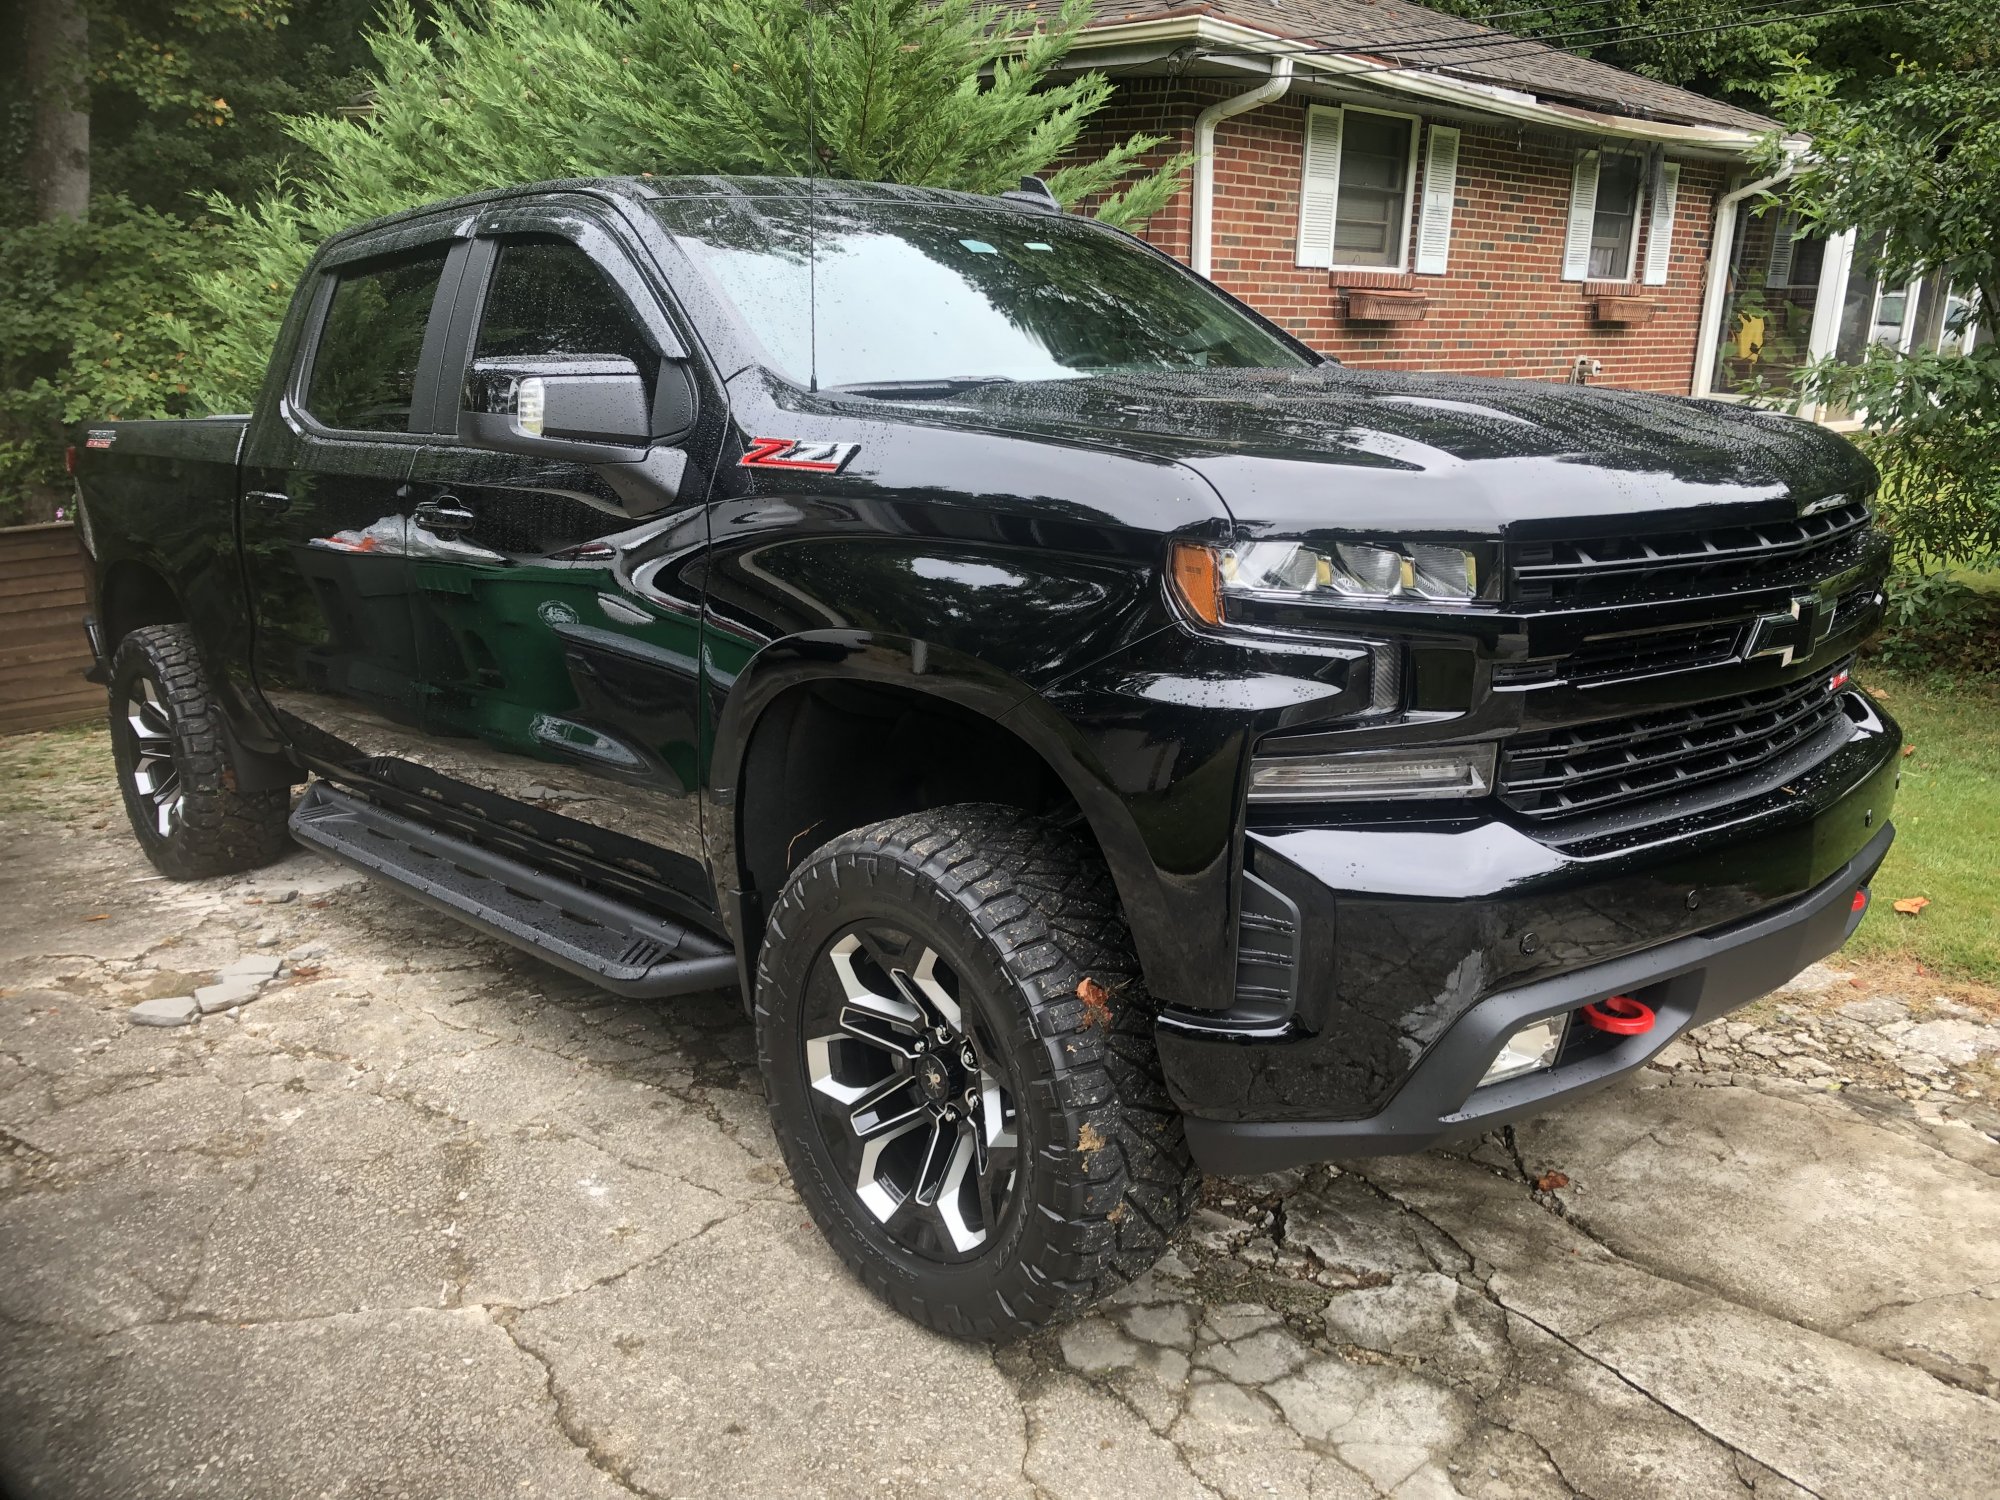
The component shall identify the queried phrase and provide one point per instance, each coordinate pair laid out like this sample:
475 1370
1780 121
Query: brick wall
1501 309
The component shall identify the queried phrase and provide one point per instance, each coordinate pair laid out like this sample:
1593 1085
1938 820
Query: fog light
1533 1046
1371 775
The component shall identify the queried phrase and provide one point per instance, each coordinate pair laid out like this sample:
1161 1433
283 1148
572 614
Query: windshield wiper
942 385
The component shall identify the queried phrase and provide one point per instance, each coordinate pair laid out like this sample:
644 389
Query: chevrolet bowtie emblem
1792 634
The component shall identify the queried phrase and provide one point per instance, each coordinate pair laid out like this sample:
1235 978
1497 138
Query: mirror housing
587 407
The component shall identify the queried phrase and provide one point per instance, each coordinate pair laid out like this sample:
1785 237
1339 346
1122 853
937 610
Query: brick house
1404 189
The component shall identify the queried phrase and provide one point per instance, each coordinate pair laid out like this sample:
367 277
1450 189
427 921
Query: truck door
558 601
325 510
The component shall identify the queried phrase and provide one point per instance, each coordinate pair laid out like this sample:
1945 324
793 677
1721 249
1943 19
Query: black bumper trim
1688 981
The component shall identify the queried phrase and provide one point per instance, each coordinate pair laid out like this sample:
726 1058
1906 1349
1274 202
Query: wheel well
134 595
829 757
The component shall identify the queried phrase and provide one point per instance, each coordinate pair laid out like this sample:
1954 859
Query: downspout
1708 332
1204 149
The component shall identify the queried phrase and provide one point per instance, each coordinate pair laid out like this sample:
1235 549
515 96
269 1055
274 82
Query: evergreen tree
938 93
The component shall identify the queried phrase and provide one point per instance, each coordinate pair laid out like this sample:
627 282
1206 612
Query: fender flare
940 671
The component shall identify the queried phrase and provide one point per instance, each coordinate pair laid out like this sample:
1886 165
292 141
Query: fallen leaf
1875 692
103 916
1910 906
1550 1180
1096 1002
1908 751
1090 1138
305 971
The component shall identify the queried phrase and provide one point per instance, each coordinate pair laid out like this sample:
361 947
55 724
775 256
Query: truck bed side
159 526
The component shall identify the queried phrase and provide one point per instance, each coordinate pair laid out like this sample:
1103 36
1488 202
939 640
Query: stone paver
426 1218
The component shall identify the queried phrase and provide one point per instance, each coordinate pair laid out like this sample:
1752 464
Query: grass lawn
1947 835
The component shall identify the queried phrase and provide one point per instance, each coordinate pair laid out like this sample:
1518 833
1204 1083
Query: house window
1614 227
1360 171
1374 205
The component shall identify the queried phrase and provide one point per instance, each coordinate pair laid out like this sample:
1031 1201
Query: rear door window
364 369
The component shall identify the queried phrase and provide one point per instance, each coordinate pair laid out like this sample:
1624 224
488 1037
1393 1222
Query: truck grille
1653 654
1659 653
1613 569
1592 767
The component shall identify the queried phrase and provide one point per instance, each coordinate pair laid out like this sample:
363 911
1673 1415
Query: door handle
445 516
273 500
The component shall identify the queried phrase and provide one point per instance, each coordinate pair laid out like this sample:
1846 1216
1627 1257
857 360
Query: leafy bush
95 320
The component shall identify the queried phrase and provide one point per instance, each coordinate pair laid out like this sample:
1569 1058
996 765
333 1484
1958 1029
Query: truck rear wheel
173 764
959 1056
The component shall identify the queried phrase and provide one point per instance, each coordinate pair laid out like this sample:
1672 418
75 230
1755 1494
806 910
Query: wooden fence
43 652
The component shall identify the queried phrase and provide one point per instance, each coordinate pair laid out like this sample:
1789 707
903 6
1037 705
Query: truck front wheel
173 763
958 1051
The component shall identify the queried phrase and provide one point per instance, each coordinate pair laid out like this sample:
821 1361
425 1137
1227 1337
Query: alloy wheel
155 774
911 1093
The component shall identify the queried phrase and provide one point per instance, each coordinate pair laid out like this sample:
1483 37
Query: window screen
1616 222
1374 189
364 372
548 297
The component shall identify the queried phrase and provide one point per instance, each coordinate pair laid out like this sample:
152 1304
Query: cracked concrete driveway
428 1219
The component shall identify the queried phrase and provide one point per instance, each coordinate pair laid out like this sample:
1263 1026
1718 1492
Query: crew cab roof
652 189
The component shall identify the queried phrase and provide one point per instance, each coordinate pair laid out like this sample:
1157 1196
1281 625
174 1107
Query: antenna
812 200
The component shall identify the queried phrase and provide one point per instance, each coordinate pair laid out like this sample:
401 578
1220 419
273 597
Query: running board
625 950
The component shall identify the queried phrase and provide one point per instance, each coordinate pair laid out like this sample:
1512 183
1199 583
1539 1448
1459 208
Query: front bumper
1421 948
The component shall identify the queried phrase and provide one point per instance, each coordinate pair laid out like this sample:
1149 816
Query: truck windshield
919 295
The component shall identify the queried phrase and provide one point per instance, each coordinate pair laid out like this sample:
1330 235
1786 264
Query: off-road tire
1028 914
220 829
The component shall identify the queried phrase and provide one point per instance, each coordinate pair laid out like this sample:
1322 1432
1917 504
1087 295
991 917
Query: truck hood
1337 449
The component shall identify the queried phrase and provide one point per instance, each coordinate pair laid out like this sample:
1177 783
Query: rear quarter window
364 364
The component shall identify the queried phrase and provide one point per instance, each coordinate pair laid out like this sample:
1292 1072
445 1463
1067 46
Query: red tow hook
1860 902
1619 1014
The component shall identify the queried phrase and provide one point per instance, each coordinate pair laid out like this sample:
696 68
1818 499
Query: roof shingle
1415 37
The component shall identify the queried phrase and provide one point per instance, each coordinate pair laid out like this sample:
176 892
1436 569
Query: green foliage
1718 48
933 94
96 317
93 322
1913 156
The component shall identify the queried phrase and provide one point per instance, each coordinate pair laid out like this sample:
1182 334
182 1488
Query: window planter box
1376 306
1628 312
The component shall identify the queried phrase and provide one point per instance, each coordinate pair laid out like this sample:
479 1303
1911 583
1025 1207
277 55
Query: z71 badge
790 453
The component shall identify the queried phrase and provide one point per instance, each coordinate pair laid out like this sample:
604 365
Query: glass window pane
884 291
364 374
1766 330
549 297
1611 231
1374 177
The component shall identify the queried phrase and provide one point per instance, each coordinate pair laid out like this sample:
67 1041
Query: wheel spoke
951 1198
937 1161
881 1199
880 1109
924 979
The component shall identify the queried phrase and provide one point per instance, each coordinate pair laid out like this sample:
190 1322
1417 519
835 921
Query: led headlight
1373 775
1281 572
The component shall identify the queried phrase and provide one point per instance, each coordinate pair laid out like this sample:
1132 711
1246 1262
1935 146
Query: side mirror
587 407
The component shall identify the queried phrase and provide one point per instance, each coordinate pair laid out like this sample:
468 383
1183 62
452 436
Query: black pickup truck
1100 737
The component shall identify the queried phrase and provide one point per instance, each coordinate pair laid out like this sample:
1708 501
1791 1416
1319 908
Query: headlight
1373 775
1291 572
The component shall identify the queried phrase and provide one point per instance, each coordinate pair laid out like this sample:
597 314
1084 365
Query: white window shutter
1582 217
1319 188
1660 228
1781 249
1440 185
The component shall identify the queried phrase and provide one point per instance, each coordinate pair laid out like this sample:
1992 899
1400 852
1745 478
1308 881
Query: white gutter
1204 154
1708 330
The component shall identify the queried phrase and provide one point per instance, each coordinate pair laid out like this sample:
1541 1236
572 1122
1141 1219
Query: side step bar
596 937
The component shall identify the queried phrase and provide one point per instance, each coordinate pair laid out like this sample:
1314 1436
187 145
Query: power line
1503 41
